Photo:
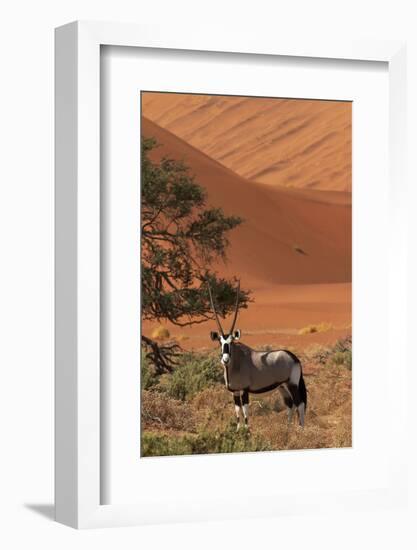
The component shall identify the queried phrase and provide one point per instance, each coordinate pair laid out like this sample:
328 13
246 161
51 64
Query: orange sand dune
287 237
293 251
285 142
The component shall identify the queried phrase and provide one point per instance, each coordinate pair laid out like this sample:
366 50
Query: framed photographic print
228 215
273 240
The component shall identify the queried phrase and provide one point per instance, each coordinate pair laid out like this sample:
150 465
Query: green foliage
194 373
154 444
227 441
181 237
147 372
339 354
342 353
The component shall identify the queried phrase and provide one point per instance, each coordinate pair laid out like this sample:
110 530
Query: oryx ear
236 335
214 336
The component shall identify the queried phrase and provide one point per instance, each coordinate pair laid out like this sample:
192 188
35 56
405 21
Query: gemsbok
249 371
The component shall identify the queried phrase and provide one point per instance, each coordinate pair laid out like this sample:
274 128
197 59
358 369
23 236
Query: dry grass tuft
310 329
299 250
160 333
163 412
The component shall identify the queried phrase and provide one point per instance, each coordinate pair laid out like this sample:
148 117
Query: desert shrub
195 372
213 397
160 333
148 377
344 344
339 354
316 354
311 329
342 358
156 444
161 411
227 441
263 406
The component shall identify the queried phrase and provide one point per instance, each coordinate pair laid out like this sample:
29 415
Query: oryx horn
215 312
236 307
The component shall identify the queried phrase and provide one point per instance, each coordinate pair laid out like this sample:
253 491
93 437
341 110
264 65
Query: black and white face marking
225 342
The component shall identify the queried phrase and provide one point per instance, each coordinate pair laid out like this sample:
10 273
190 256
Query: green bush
339 354
148 377
164 445
195 373
228 441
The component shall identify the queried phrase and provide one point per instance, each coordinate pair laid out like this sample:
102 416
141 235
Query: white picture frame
78 411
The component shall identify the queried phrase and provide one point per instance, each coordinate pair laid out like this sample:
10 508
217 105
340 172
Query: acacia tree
181 237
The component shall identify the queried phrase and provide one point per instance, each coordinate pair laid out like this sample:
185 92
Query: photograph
246 274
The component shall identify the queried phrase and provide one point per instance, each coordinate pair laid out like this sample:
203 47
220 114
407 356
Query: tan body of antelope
249 371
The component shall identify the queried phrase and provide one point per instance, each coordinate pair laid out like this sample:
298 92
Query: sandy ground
293 252
277 316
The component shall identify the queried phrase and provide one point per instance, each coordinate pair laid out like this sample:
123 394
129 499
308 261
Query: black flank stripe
268 388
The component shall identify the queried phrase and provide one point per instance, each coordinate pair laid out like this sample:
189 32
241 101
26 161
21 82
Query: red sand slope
287 142
293 251
287 237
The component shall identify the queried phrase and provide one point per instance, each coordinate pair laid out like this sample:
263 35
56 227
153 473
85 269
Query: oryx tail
303 390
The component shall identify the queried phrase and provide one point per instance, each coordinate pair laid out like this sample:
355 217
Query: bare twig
164 357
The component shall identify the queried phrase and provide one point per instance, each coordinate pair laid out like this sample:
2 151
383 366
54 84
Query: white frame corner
77 227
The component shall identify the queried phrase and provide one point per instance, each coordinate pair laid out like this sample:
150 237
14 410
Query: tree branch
162 356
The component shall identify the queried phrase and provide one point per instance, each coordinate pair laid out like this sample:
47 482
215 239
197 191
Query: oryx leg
298 404
288 400
301 412
294 388
245 407
238 406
